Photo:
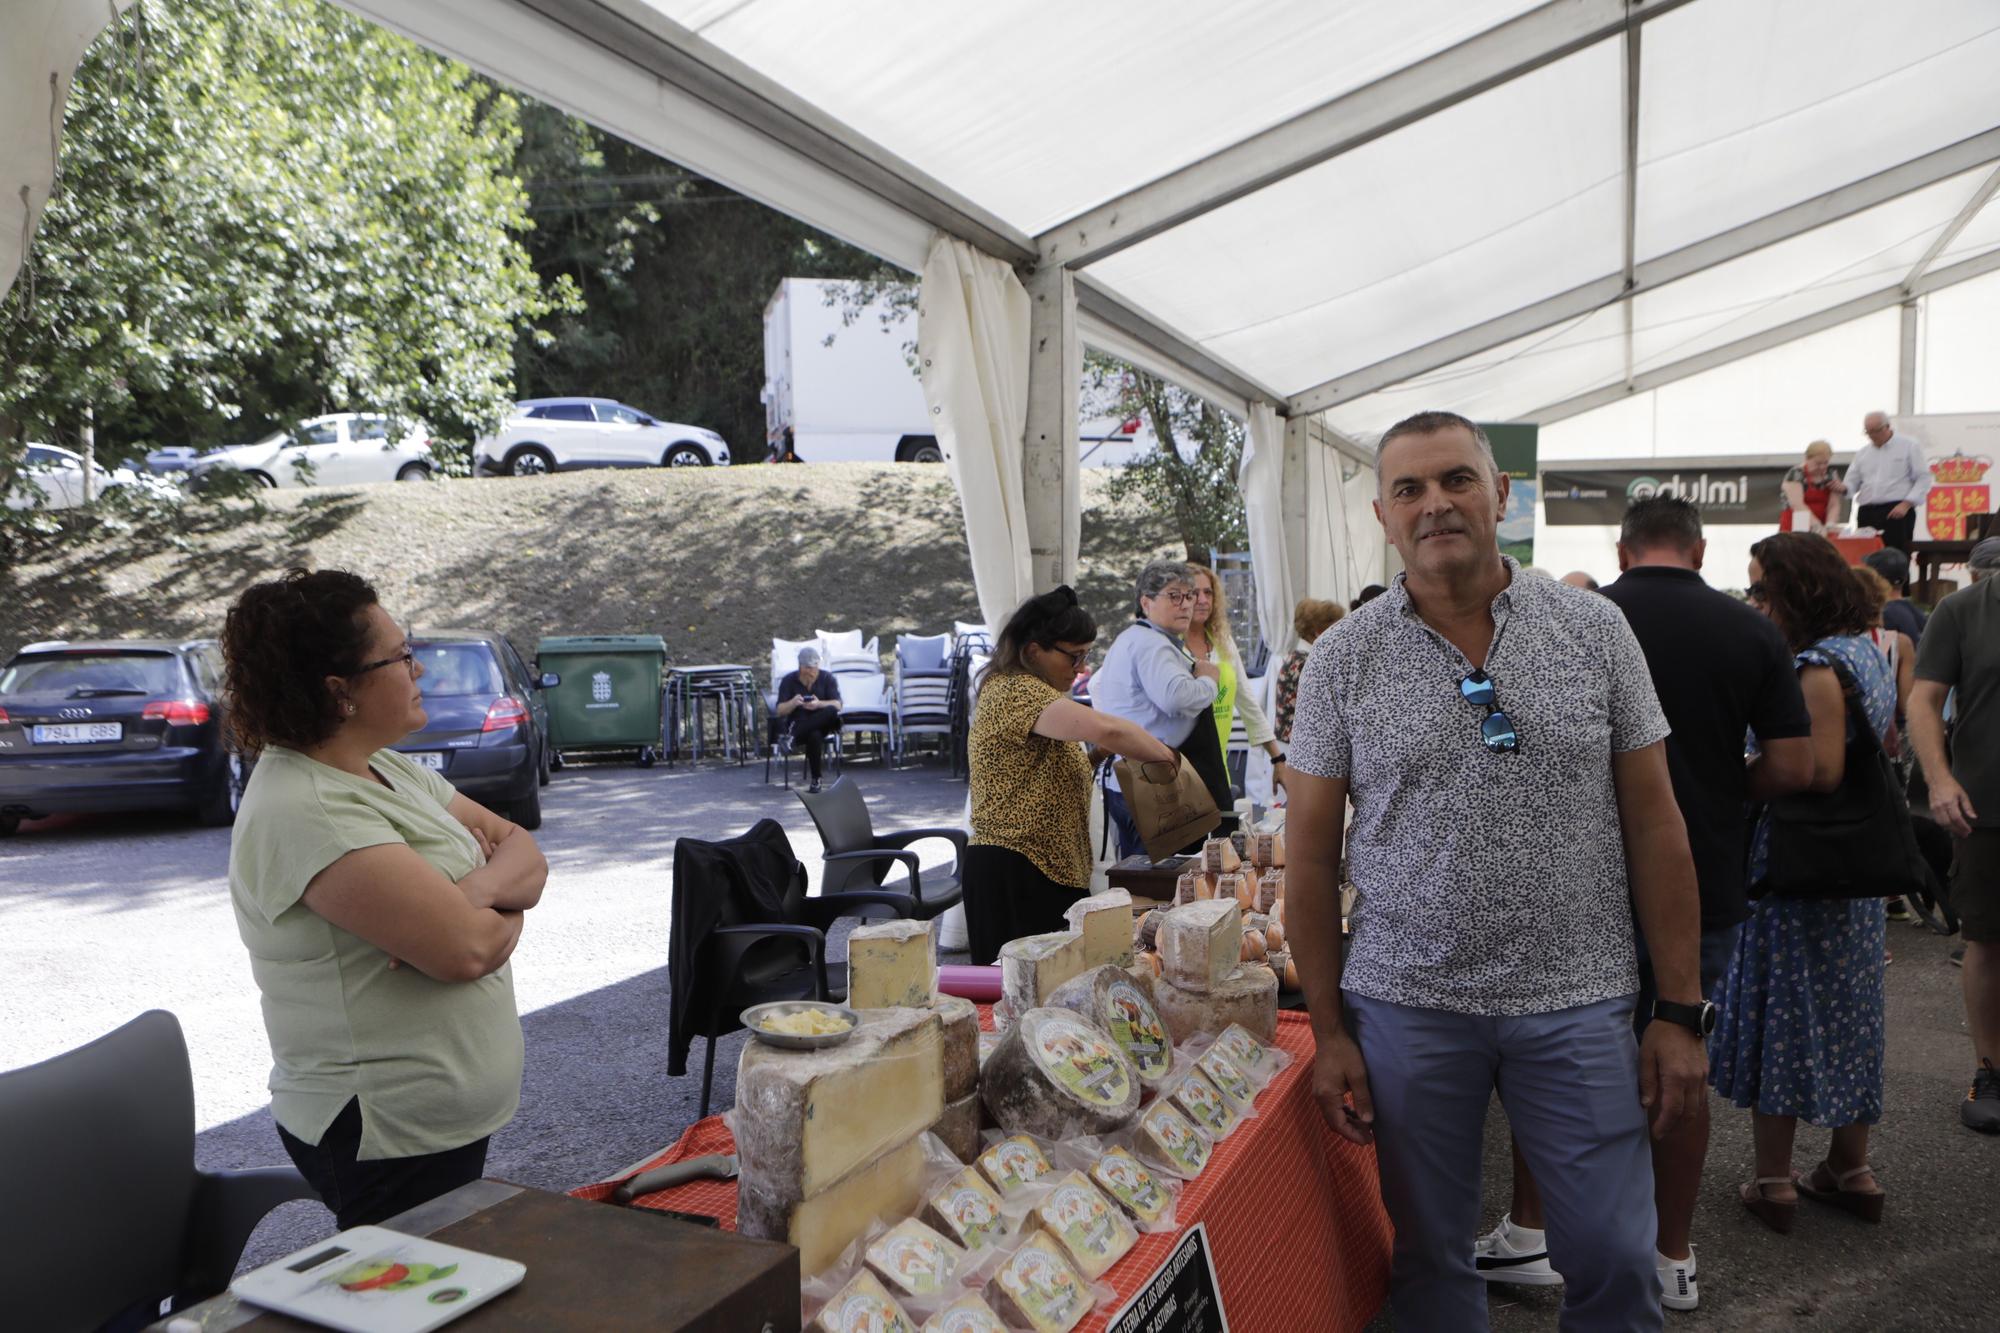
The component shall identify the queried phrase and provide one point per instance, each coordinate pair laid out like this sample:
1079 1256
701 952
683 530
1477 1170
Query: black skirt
1007 896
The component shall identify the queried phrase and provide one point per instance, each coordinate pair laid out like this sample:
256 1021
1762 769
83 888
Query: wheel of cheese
1056 1076
1249 996
1118 1005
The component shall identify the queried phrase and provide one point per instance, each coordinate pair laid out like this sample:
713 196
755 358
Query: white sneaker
1677 1286
1515 1254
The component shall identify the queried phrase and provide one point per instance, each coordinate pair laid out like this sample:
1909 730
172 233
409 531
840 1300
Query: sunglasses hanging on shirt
1496 729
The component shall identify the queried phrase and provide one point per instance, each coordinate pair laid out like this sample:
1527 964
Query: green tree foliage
675 272
270 209
1191 476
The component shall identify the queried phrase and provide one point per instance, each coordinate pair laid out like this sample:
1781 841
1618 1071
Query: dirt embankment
718 561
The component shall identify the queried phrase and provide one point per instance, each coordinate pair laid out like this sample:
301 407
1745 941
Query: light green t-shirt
436 1064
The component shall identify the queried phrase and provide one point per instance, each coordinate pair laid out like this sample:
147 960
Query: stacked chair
923 689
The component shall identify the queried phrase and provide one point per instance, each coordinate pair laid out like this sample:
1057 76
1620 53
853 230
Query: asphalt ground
107 917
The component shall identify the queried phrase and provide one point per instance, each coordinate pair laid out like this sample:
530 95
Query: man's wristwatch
1696 1018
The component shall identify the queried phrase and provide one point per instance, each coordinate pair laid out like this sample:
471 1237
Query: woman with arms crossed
378 905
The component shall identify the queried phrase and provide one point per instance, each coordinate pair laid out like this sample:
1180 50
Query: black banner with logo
1752 495
1180 1297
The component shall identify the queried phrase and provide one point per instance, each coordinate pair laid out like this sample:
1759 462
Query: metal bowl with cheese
800 1025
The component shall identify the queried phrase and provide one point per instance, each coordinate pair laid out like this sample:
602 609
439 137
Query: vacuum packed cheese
958 1127
1248 1054
1194 885
1199 1100
914 1260
1117 1004
1174 1139
1270 890
1247 996
825 1224
966 1209
1094 1231
1138 1191
1267 849
1014 1162
1199 943
1056 1076
961 1045
1034 965
862 1306
805 1119
1238 885
891 963
967 1314
1105 922
1234 1085
1038 1289
1218 856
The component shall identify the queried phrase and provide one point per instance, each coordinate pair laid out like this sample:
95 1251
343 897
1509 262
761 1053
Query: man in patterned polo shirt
1502 744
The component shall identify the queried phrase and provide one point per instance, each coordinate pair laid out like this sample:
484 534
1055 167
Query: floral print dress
1801 1028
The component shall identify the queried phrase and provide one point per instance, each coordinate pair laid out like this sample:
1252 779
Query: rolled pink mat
981 985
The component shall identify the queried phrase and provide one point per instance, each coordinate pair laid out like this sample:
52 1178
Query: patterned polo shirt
1488 883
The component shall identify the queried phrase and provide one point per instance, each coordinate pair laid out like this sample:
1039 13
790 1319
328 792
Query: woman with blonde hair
1210 639
1812 492
1312 617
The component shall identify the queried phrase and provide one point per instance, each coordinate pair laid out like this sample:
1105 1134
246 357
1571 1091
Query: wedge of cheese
1056 1076
914 1261
1104 920
1248 1054
1234 1085
1120 1006
1094 1231
960 1018
1138 1191
1014 1162
1038 1288
825 1224
891 964
968 1210
1173 1140
1270 890
967 1314
1201 1103
862 1306
1194 885
1267 849
1032 967
1200 944
1218 856
1248 996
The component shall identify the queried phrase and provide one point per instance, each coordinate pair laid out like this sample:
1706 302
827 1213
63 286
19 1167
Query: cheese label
915 1258
1012 1163
1081 1061
1043 1284
864 1307
970 1315
972 1210
1137 1029
1131 1184
1243 1050
1184 1145
1230 1081
1204 1105
1082 1218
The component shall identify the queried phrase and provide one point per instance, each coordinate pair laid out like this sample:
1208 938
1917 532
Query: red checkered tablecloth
1294 1212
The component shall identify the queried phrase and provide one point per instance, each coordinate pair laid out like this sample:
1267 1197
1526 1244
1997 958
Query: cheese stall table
1294 1213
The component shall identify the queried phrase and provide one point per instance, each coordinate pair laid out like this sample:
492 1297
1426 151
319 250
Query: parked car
172 458
489 721
53 478
115 724
345 449
560 434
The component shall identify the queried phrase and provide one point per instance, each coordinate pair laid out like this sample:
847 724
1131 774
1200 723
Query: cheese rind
914 1260
1056 1076
1248 996
1199 943
862 1306
1038 1288
1267 849
968 1210
1174 1140
1034 965
825 1224
1094 1231
891 964
1138 1191
967 1314
1119 1005
805 1119
958 1128
1104 920
960 1018
1218 856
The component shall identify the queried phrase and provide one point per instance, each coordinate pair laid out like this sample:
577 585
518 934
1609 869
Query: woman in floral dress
1801 1030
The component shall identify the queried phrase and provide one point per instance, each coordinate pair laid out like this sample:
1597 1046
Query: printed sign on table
1180 1296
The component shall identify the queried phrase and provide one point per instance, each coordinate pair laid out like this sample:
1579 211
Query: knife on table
716 1166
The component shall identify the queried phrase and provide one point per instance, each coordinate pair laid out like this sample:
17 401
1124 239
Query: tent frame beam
1980 198
1845 201
1819 322
1478 64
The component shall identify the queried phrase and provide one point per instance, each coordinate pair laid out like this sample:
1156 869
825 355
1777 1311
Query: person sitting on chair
809 704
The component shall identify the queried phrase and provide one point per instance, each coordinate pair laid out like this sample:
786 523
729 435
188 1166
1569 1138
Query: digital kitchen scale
371 1280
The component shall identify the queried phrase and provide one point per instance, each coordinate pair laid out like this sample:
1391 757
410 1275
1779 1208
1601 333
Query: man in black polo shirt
1721 670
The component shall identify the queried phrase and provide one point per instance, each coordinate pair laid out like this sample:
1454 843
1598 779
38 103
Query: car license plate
79 733
428 760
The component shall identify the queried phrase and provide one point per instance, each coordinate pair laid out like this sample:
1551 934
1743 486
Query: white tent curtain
1345 545
1261 478
42 41
972 341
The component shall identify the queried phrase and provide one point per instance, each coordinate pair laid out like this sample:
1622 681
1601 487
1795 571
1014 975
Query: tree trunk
89 458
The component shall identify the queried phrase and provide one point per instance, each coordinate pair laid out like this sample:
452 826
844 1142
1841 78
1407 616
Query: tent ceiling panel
1408 238
1749 108
1038 114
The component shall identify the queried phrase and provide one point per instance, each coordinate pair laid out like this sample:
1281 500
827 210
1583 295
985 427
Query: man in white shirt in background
1887 480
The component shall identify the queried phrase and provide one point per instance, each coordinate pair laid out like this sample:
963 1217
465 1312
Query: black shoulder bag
1855 842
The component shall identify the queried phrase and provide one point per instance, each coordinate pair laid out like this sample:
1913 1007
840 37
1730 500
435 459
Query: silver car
345 449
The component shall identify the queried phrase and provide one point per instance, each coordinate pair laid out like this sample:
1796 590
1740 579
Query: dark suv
119 724
489 721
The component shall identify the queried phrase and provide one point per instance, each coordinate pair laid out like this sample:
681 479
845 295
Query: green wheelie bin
609 695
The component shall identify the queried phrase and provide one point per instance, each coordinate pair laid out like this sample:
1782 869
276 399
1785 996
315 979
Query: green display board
1514 450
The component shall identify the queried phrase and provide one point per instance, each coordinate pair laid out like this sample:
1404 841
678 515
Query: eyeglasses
406 657
1075 658
1177 598
1496 729
1757 592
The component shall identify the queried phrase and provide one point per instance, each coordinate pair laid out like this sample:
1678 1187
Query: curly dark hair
1811 591
1045 620
280 642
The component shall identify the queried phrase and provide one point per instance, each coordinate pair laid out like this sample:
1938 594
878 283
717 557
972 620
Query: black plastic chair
859 857
103 1214
739 962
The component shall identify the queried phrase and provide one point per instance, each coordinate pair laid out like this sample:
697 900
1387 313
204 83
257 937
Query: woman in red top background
1813 492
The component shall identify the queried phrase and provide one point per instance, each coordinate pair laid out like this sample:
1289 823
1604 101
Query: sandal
1777 1214
1864 1204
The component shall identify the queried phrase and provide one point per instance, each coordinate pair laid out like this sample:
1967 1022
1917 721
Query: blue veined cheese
891 964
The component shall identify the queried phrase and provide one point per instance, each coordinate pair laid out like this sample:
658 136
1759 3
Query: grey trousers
1570 1083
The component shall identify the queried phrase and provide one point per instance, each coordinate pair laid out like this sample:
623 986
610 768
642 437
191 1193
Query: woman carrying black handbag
1801 1029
